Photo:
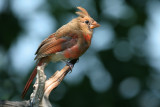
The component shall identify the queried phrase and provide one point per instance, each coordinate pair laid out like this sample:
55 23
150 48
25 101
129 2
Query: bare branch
14 103
37 95
42 88
55 80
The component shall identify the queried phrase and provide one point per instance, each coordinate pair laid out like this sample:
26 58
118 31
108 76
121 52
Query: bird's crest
82 12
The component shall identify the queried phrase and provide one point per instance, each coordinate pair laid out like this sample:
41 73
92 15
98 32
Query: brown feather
44 41
51 45
82 12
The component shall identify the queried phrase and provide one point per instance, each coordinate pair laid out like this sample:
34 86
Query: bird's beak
94 25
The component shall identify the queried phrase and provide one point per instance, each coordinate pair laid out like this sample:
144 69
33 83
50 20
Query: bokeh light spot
129 87
122 51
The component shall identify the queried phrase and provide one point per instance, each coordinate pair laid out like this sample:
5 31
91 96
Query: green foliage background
137 67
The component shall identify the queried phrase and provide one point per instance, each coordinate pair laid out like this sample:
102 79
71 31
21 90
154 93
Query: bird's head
86 22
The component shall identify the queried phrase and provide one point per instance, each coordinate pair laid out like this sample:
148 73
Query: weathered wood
42 89
14 103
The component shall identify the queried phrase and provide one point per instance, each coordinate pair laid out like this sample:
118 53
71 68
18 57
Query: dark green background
137 67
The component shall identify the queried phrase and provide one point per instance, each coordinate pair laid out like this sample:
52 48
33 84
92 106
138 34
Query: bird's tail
31 79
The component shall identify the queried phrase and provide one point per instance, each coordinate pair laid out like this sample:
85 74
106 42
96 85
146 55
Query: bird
69 42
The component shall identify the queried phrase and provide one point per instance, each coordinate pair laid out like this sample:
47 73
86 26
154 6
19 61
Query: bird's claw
70 65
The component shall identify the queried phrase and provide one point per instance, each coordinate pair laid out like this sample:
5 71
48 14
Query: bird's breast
87 37
87 40
79 48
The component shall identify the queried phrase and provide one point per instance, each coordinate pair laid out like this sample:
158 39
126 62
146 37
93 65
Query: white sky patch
116 9
41 24
102 37
23 54
37 26
24 8
99 77
2 2
153 32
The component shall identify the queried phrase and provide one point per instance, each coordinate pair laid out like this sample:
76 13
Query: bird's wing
54 44
44 42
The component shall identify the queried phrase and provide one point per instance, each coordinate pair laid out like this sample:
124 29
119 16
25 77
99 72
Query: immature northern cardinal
68 43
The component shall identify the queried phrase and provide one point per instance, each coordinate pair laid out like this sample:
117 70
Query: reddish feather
72 52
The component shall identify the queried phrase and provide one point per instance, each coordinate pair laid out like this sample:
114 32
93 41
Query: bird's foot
70 65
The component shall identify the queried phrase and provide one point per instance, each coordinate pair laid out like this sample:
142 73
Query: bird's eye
87 22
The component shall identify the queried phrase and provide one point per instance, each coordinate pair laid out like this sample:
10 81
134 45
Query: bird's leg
71 63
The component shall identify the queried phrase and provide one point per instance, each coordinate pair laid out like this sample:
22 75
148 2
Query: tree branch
42 88
53 82
14 103
39 85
